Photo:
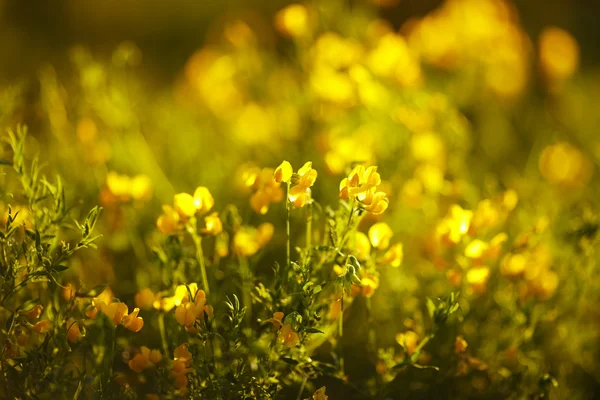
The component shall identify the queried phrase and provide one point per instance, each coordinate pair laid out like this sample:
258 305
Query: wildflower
393 256
188 312
203 200
320 394
361 184
288 337
408 340
559 53
380 235
268 191
247 241
283 173
276 320
114 311
513 265
97 302
185 205
144 299
74 332
476 249
33 313
42 326
132 321
565 165
477 277
264 233
145 359
369 284
181 363
141 188
292 21
68 292
214 226
460 345
300 192
362 245
455 225
168 222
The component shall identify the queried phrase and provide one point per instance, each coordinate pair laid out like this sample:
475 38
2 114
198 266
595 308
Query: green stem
341 331
199 256
163 336
246 287
309 218
288 230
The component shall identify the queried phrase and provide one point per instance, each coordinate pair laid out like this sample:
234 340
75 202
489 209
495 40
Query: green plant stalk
341 331
246 287
163 334
309 218
288 230
199 255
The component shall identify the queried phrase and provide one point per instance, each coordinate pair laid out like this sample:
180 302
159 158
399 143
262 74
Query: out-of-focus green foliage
432 235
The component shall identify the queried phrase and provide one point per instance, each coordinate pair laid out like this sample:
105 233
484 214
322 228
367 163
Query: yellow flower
360 183
144 299
168 223
214 226
188 312
33 313
184 205
42 326
292 21
132 321
276 320
264 233
394 255
283 173
181 363
559 53
268 191
320 394
68 292
377 204
476 249
408 340
115 311
145 359
97 302
362 245
455 225
299 194
460 345
141 188
369 284
477 277
182 353
74 330
118 185
288 337
563 164
203 200
380 235
513 264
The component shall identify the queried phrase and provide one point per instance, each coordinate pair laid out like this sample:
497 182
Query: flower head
288 337
380 235
299 193
214 226
132 321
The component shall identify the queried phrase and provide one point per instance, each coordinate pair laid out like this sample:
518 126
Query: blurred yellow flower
393 256
33 313
380 235
320 394
144 299
293 20
168 222
276 320
203 200
184 205
362 246
455 225
563 164
408 340
213 223
460 345
477 278
74 330
145 359
288 337
559 53
42 326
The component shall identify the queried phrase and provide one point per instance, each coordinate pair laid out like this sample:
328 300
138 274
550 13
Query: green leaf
313 330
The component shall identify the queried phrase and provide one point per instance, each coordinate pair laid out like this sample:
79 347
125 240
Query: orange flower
144 299
145 359
33 313
288 337
133 322
214 226
42 326
74 331
168 223
276 320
